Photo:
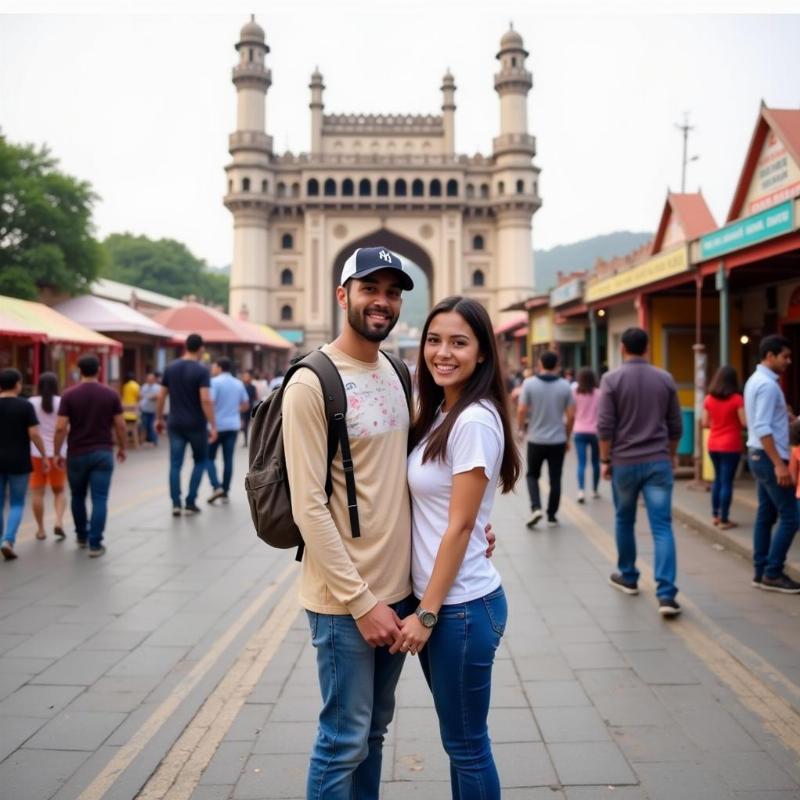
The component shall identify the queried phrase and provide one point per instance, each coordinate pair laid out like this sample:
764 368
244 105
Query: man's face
246 377
372 304
779 363
215 369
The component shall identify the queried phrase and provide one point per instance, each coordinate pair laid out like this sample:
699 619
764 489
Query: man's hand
379 626
782 475
212 434
491 540
61 462
566 447
121 456
605 471
160 426
413 636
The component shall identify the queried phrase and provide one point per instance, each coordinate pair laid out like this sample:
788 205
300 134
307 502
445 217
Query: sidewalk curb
713 533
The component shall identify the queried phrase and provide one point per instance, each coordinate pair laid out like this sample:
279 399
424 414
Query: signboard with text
664 265
566 293
776 177
748 231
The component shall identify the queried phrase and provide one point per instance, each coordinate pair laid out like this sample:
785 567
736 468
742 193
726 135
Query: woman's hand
413 636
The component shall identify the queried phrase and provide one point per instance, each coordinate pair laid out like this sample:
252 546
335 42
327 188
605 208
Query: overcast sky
141 105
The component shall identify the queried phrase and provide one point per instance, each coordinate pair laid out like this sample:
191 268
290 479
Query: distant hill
582 255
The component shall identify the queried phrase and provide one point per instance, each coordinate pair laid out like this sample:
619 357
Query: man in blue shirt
768 457
230 402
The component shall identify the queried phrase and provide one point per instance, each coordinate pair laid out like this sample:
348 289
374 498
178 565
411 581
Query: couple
357 591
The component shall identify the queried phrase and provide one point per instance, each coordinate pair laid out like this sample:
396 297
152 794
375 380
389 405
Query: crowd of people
388 573
49 440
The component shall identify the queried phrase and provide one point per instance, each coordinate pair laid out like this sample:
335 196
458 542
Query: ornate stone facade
371 178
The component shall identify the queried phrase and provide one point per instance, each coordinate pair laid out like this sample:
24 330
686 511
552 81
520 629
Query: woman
18 428
45 404
461 449
723 413
587 399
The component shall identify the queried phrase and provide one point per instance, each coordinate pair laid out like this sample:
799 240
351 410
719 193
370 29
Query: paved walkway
178 666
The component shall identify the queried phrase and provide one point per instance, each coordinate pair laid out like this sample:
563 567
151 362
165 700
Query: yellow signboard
542 327
661 266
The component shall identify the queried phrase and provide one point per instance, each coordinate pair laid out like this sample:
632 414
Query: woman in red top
723 413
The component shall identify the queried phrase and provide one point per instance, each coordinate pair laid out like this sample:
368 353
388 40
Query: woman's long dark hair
587 380
48 389
487 382
724 383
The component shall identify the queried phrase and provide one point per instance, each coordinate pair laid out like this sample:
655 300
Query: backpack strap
335 399
402 372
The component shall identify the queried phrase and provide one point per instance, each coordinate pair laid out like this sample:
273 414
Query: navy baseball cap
367 260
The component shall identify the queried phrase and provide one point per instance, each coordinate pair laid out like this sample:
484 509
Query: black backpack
267 484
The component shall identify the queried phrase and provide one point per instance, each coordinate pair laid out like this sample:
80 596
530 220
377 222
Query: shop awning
35 321
511 325
216 327
109 316
280 341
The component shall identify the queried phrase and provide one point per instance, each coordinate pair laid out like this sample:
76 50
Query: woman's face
451 351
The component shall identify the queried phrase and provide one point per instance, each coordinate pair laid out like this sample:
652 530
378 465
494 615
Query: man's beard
360 325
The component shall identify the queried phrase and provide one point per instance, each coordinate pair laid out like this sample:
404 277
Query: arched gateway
373 179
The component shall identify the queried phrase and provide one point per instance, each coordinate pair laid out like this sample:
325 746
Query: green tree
163 265
45 225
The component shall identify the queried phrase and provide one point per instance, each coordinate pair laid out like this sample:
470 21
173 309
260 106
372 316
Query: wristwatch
605 460
427 618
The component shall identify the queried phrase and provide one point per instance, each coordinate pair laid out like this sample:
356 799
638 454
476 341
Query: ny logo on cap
384 256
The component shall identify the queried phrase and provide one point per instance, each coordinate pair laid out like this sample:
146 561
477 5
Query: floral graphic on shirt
376 403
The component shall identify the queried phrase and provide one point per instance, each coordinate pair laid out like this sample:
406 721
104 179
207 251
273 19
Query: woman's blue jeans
582 441
725 465
17 488
357 683
457 663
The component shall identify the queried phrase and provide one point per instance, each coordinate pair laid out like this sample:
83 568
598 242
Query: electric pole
684 129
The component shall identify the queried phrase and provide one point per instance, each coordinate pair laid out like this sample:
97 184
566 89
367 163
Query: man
252 399
639 425
547 412
148 402
191 420
18 428
355 590
86 415
767 455
277 381
230 402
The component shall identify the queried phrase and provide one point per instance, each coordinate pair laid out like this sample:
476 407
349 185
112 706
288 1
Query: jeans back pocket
497 610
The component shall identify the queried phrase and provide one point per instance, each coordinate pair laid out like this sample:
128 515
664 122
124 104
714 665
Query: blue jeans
90 472
654 481
725 464
582 441
148 423
357 683
457 663
17 489
774 503
197 439
226 440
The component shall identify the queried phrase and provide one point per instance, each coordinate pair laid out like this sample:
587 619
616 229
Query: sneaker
668 608
225 498
176 511
217 494
536 515
7 549
552 522
726 525
595 495
59 533
191 509
82 544
618 582
756 582
783 583
96 552
581 497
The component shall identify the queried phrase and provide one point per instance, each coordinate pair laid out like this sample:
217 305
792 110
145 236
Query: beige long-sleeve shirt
343 575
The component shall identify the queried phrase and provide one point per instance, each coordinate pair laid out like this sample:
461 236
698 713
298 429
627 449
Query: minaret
514 193
250 180
317 107
449 113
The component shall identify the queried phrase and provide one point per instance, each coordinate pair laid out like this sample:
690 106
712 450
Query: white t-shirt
476 440
47 427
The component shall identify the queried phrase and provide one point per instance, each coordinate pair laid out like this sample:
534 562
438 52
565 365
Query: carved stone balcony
249 140
522 143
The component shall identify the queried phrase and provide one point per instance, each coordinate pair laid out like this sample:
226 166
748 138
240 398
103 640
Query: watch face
428 619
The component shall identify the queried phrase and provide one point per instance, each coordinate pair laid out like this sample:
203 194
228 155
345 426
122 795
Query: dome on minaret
316 76
448 78
252 31
511 39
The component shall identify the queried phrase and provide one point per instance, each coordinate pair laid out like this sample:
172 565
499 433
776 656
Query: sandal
727 525
41 535
59 532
